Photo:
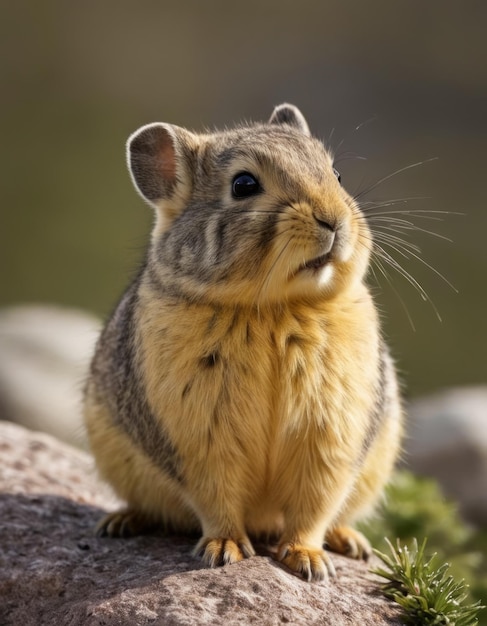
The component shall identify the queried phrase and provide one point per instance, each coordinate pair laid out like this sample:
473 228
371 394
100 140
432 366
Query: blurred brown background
78 77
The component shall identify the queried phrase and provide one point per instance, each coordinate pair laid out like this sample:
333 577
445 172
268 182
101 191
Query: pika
241 388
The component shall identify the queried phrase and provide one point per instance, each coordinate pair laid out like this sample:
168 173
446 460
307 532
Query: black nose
324 224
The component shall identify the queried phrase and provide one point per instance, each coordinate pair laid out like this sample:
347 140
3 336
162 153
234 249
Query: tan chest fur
274 395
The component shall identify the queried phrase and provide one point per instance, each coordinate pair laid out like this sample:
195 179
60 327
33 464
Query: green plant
415 507
427 594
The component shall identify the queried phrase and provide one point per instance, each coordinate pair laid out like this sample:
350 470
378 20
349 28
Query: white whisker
433 269
398 267
361 125
399 171
393 201
382 270
400 227
406 245
267 277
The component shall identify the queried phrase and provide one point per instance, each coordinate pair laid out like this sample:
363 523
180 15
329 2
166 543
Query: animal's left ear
291 115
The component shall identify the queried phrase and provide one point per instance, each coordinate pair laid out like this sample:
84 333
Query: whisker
383 224
392 201
404 245
382 270
398 222
245 213
384 178
386 256
268 274
412 227
348 156
398 247
419 211
369 121
433 269
386 231
425 214
361 125
398 267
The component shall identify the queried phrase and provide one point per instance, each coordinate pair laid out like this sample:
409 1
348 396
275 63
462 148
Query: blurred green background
78 77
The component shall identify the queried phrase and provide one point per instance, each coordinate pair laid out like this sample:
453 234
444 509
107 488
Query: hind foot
125 523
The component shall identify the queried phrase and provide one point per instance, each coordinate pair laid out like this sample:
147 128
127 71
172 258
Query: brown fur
235 390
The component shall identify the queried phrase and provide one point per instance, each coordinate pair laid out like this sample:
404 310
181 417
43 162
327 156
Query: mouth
316 264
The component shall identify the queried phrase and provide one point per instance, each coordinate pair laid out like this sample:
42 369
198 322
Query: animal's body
241 388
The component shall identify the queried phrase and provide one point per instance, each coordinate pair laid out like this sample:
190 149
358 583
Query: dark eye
244 185
337 174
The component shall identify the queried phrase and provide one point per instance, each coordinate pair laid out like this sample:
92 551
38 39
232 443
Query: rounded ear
159 160
291 115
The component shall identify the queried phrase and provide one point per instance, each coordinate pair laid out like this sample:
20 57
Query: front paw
350 542
311 563
223 550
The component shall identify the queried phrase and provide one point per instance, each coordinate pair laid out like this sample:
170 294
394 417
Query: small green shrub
415 507
427 594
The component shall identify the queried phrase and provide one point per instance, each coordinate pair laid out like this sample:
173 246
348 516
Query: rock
447 439
54 571
44 356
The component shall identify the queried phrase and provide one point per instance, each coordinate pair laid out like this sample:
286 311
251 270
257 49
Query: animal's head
251 215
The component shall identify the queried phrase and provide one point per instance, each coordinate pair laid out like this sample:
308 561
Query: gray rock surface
44 355
53 571
447 439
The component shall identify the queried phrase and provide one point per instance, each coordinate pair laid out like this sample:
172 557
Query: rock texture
447 439
54 571
44 356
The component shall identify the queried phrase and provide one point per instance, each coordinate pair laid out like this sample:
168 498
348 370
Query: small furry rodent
241 388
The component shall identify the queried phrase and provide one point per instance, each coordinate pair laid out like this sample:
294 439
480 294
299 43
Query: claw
223 551
349 542
125 523
311 563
